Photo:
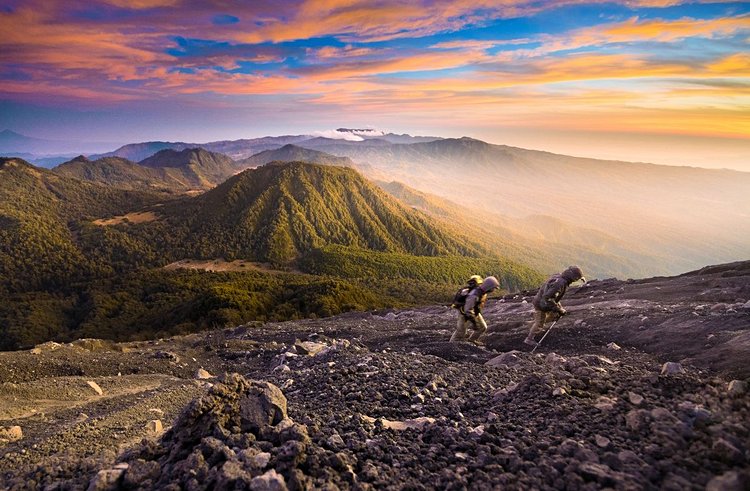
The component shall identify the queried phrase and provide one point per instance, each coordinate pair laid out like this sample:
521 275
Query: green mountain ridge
191 169
279 211
120 173
194 167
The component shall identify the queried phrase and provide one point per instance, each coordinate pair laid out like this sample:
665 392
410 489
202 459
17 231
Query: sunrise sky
662 81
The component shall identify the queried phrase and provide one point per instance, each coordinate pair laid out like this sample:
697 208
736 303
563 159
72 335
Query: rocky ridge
381 400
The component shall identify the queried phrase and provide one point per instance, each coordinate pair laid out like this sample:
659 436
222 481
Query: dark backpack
459 299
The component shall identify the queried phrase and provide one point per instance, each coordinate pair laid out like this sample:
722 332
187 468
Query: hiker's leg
480 328
460 332
536 326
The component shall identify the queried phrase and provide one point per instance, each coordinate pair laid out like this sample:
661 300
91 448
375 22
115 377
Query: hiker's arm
551 296
471 301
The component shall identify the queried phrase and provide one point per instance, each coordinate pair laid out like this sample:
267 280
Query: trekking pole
545 334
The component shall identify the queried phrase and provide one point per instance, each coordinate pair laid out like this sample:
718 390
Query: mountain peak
279 211
291 152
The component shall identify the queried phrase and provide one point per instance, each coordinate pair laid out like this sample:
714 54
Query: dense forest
333 241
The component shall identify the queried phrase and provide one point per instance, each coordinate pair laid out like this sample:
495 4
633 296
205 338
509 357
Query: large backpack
459 299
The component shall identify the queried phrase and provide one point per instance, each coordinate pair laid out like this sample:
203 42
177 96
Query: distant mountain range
294 153
14 144
49 153
627 219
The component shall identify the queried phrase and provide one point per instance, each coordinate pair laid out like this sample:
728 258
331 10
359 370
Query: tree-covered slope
279 211
120 173
192 167
38 214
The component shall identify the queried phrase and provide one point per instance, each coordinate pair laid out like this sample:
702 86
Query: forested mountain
168 170
294 153
40 213
278 211
194 167
120 173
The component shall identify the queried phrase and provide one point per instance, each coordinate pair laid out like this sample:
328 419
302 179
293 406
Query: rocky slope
381 400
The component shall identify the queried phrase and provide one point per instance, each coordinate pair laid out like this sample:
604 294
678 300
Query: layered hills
623 219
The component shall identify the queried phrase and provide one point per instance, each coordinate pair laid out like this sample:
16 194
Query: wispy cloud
453 61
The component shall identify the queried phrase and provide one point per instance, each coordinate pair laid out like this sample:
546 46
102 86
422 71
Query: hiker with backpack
469 302
547 300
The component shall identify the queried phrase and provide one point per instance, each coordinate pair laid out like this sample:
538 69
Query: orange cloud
142 4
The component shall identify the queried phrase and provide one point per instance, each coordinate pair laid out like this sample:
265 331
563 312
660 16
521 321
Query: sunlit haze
660 81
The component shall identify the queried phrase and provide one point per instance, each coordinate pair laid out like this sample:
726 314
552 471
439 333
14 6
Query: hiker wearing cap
470 313
547 300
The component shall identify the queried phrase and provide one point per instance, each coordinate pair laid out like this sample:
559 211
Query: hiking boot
529 341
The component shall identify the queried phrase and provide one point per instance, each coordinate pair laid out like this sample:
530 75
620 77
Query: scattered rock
95 386
309 347
202 374
662 414
106 480
559 391
729 481
635 399
45 347
614 347
605 403
154 426
167 355
728 452
637 419
737 388
671 368
10 434
140 474
554 359
417 423
270 481
602 441
506 359
263 404
89 344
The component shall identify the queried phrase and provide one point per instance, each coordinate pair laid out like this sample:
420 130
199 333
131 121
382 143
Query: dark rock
729 481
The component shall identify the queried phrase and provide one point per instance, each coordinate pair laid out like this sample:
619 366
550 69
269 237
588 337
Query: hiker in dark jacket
471 313
547 300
